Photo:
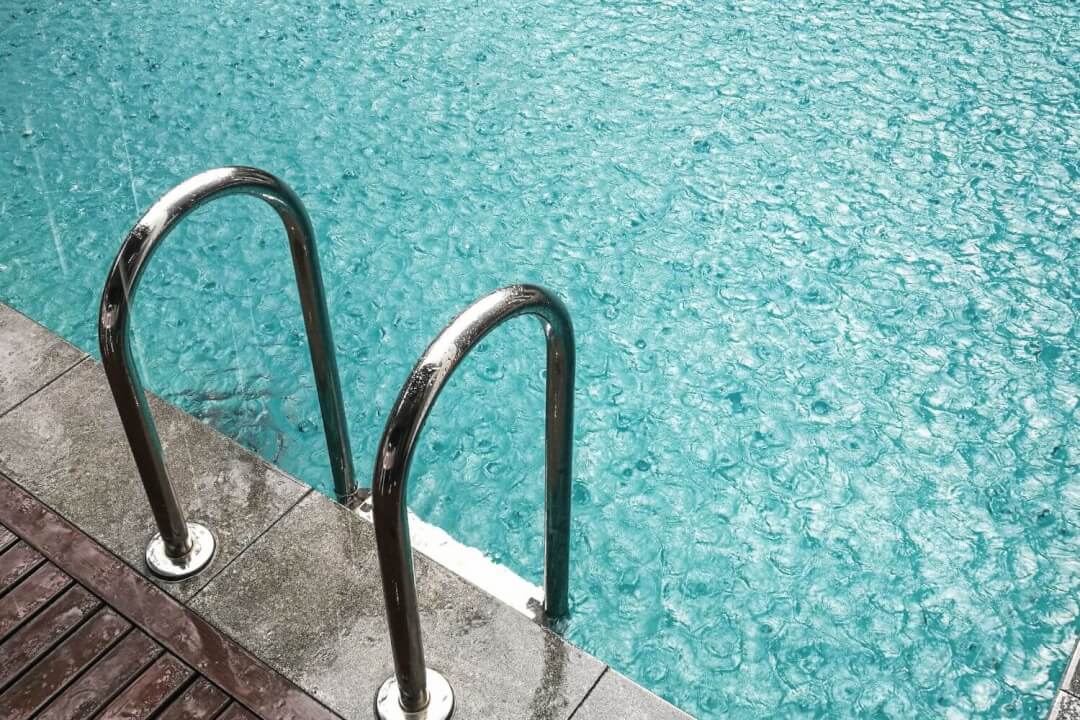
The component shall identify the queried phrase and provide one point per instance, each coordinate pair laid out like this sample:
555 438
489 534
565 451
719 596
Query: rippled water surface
821 256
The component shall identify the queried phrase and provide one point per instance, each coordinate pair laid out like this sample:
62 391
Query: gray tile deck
306 598
302 590
66 446
616 698
1066 704
30 356
1066 707
1070 681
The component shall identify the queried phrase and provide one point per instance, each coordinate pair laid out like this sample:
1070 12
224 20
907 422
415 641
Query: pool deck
1067 701
295 581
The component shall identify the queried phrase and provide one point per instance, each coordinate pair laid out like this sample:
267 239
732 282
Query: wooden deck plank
150 692
30 595
48 677
201 701
6 538
236 712
172 664
180 631
86 696
17 561
40 633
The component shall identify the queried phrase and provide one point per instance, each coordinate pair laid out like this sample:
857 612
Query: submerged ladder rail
408 691
182 548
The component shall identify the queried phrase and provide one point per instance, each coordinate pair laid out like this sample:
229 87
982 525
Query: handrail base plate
440 700
173 569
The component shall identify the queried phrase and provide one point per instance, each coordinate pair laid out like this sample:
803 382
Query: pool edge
59 442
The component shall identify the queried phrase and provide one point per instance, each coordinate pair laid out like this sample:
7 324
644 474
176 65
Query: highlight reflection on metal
389 485
173 553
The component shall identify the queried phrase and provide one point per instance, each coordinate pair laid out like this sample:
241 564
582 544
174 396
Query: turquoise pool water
822 258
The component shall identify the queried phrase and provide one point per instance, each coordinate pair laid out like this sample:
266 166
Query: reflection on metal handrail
414 688
180 548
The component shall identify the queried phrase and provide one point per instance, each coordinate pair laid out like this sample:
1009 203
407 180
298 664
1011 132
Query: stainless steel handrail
408 690
181 548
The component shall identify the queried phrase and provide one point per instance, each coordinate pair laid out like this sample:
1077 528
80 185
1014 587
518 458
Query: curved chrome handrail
180 549
394 456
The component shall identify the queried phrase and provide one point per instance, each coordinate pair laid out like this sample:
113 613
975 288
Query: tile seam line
210 621
588 692
187 603
47 384
151 395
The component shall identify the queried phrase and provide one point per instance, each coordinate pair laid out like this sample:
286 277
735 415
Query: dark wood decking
82 635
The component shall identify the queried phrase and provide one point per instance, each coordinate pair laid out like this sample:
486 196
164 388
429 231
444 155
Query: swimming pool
821 258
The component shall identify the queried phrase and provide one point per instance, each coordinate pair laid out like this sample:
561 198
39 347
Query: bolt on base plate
440 700
202 551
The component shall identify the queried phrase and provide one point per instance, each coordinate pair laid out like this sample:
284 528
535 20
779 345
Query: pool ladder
182 548
416 691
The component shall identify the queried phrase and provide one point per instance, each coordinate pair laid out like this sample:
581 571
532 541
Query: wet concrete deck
295 581
1067 701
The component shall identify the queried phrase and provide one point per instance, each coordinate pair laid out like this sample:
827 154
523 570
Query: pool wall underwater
821 259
